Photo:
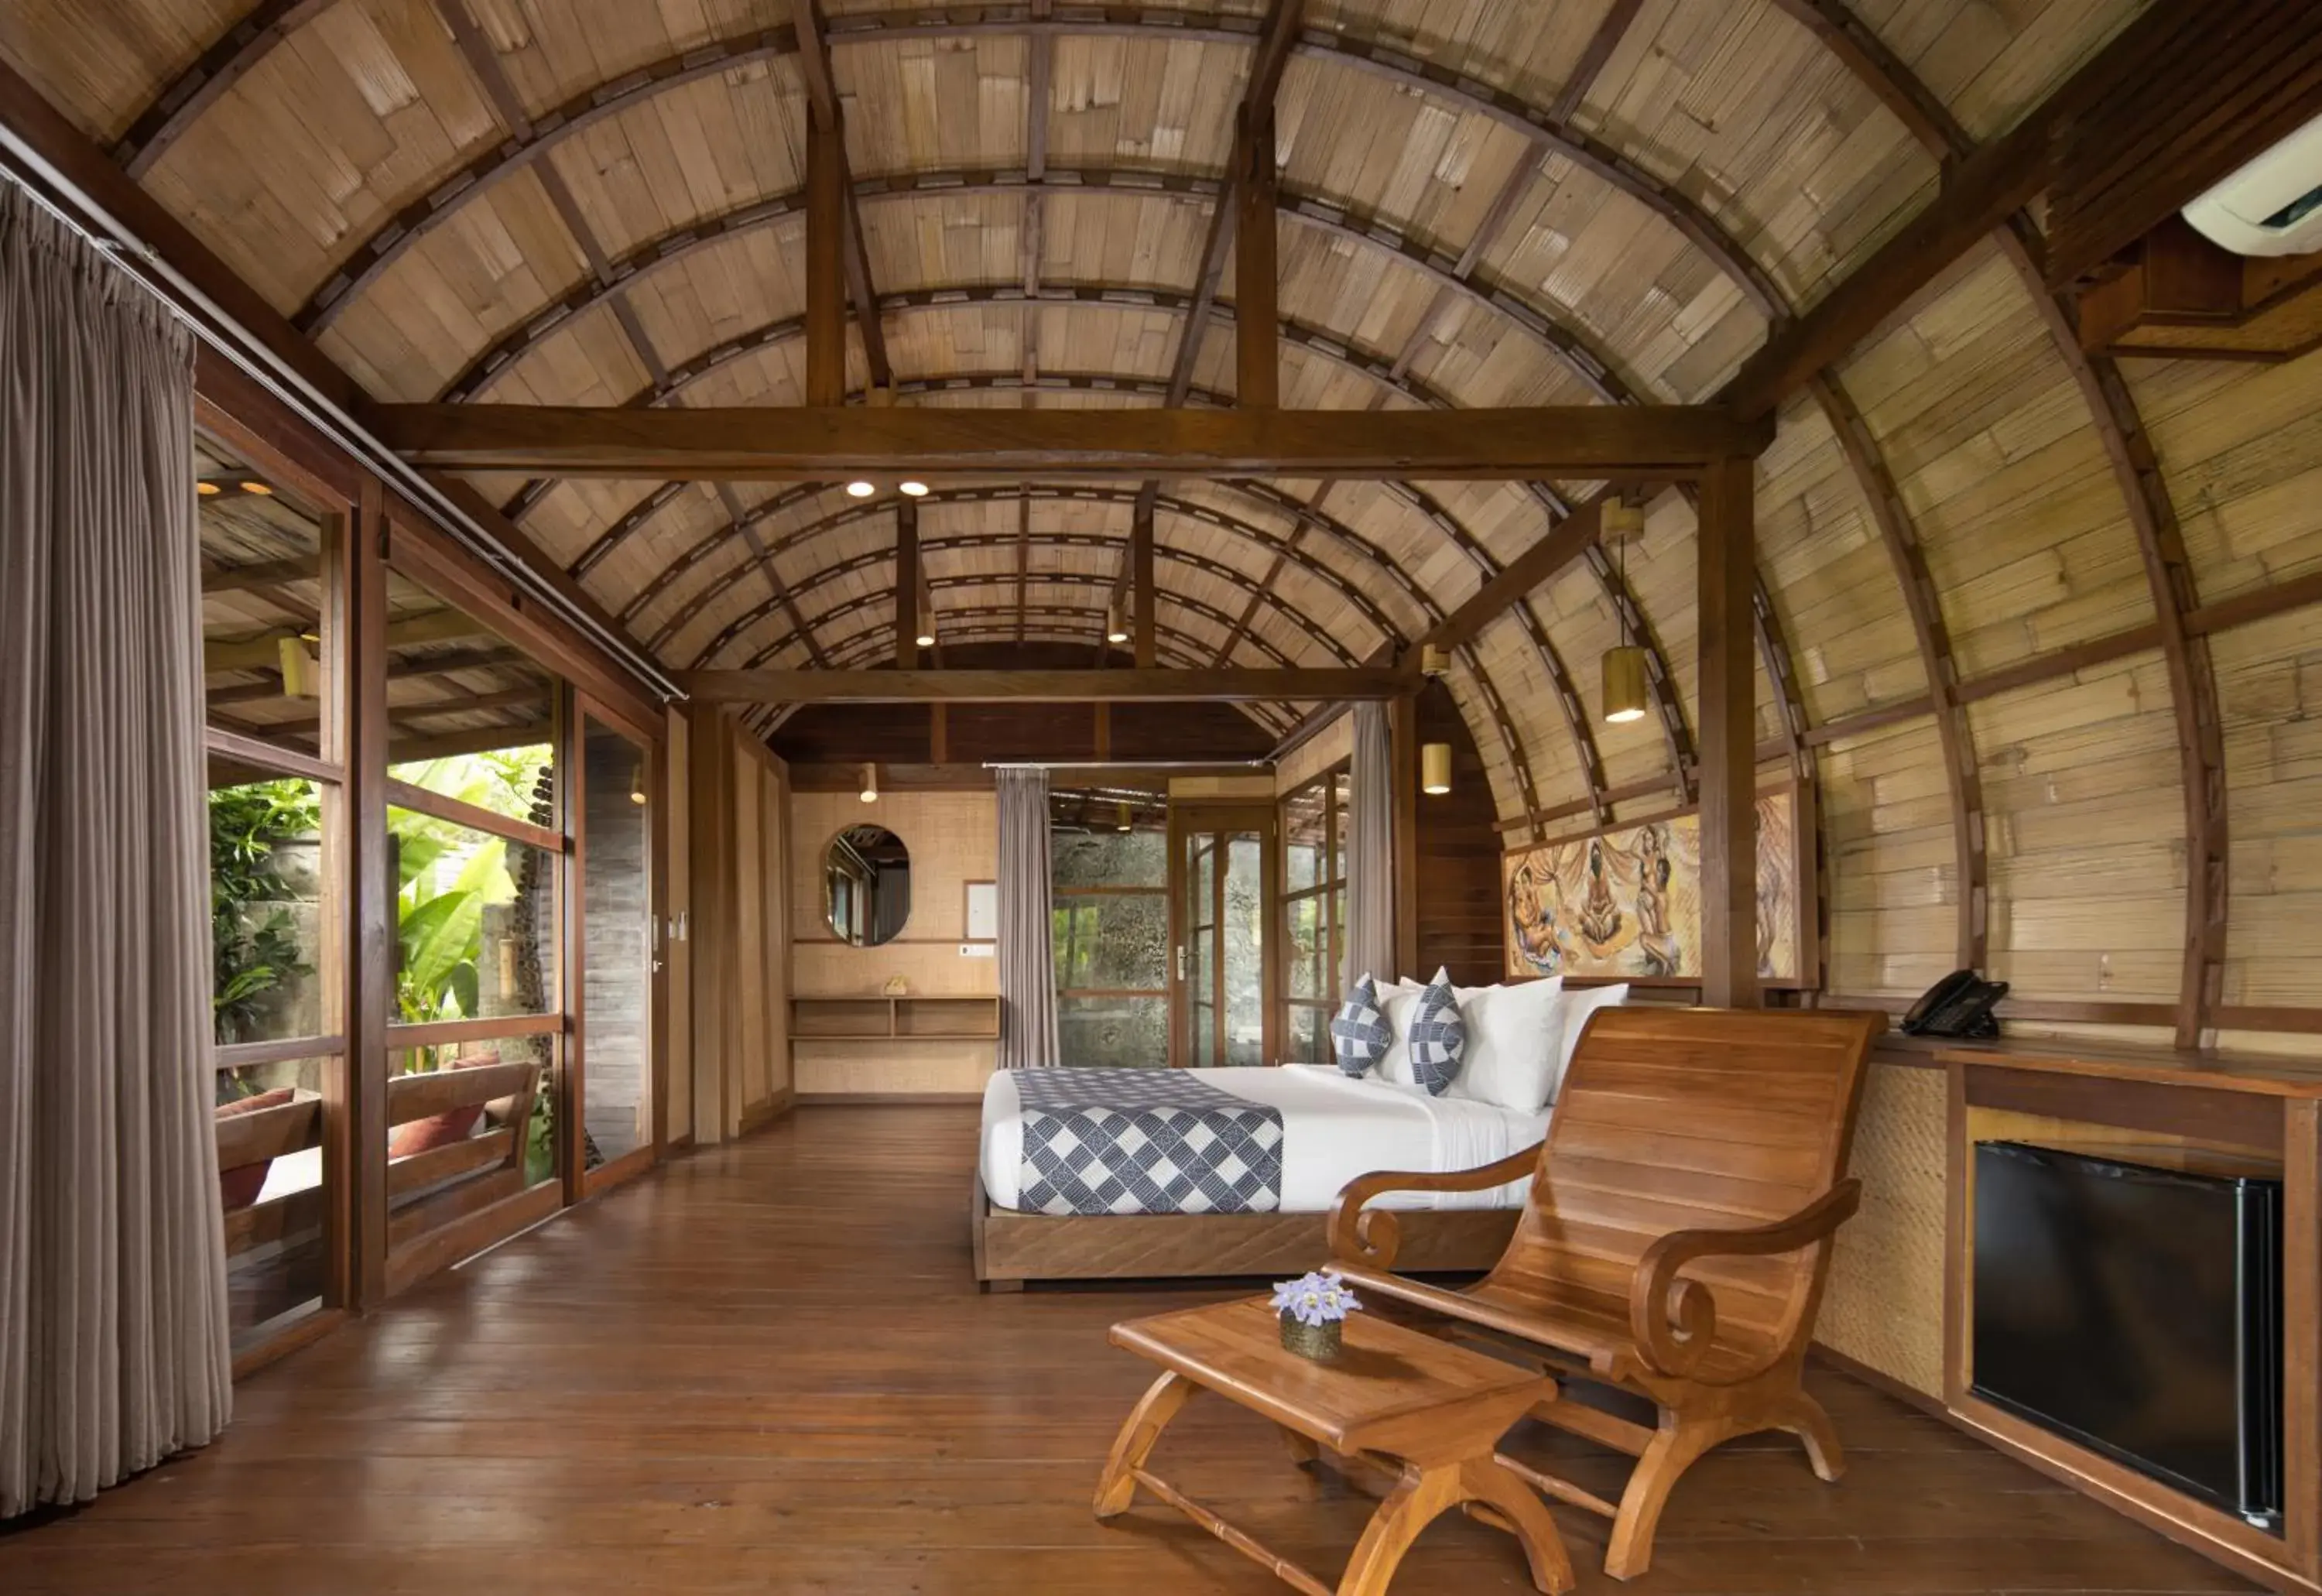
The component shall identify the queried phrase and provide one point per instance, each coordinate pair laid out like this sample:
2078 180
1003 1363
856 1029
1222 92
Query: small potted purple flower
1314 1309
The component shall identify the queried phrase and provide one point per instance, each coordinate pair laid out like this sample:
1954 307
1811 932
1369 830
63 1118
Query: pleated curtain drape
1028 960
113 1346
1370 850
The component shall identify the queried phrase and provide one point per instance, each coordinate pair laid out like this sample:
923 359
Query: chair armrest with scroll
1363 1234
1673 1319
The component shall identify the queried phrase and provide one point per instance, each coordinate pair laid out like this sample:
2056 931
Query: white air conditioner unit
2272 205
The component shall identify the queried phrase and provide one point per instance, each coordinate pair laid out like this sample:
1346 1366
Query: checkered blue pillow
1359 1034
1439 1036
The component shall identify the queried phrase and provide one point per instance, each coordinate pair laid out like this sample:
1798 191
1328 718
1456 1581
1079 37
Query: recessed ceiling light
208 489
259 489
913 489
860 490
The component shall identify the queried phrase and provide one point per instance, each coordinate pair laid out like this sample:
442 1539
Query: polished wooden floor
766 1368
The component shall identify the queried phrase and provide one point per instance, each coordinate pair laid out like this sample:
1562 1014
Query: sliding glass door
1222 897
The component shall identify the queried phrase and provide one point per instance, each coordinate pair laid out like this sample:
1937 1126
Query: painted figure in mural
1657 943
1532 924
1600 915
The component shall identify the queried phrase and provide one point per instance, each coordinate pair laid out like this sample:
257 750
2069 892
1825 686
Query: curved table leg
1410 1507
1115 1487
1483 1481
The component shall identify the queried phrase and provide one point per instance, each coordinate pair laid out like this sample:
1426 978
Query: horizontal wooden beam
809 444
1050 687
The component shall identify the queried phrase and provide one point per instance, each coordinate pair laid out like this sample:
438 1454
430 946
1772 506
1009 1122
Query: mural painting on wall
1627 901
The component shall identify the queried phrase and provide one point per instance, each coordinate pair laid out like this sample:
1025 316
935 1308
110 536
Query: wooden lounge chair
1674 1240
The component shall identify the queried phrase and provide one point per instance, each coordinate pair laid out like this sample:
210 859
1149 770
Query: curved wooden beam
2153 516
418 219
229 59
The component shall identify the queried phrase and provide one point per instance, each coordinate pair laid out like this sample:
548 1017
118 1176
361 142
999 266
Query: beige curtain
113 1349
1028 959
1370 850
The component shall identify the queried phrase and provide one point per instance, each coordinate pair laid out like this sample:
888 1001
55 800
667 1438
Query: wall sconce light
870 784
1623 666
1113 630
1433 661
1435 769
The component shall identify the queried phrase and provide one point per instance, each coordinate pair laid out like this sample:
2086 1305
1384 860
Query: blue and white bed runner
1127 1141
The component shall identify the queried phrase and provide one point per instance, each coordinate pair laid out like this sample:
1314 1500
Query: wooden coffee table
1423 1412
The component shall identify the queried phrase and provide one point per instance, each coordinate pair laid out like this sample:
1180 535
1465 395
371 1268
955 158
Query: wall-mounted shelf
895 1019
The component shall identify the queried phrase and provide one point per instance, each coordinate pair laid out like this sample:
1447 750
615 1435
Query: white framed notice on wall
984 911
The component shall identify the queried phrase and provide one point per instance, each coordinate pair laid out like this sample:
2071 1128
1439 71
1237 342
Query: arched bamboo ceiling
576 201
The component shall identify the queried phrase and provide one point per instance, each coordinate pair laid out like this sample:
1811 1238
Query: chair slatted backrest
1691 1118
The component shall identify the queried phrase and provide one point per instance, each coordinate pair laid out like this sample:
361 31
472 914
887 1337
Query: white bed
1334 1127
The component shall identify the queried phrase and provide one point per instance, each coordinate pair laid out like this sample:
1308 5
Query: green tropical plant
253 960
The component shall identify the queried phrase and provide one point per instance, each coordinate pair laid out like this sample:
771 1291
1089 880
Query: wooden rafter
201 85
1051 687
837 211
814 442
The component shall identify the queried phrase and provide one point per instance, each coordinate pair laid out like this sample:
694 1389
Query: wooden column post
1402 741
1142 595
1103 732
1258 354
371 891
1726 726
826 277
907 586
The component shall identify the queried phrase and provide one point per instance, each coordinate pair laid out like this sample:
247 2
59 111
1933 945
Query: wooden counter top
2161 1066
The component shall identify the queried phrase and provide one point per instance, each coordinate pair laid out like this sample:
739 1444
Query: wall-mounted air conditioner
2272 205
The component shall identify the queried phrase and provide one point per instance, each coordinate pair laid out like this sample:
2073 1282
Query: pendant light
1435 769
1623 666
1113 630
871 784
1123 822
1432 661
638 785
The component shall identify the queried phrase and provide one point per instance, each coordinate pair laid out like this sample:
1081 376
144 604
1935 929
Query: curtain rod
1128 764
229 338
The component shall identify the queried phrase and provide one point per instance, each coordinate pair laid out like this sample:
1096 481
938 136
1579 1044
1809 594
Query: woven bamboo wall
1884 1304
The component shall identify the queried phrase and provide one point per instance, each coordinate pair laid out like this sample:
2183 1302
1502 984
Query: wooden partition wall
738 947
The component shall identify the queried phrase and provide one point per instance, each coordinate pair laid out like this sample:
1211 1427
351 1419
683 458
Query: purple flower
1315 1298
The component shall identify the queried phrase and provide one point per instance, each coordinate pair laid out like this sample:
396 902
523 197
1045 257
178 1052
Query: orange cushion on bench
239 1188
440 1130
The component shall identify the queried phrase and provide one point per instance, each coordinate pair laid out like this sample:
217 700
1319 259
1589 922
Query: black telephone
1959 1004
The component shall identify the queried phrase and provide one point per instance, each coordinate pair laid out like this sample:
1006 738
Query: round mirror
866 885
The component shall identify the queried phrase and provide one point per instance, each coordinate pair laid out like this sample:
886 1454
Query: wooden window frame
1329 887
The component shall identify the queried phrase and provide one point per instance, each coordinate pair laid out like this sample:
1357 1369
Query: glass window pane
1309 1042
266 911
1131 1033
1245 937
1113 942
476 922
272 1200
263 654
472 718
1336 968
448 1115
616 924
1306 954
1305 837
1101 858
1341 785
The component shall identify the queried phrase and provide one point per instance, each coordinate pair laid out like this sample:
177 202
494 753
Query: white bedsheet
1334 1127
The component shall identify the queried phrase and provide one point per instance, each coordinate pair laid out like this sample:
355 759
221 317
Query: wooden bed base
1013 1248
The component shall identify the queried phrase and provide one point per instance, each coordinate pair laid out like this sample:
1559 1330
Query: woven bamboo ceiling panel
1483 202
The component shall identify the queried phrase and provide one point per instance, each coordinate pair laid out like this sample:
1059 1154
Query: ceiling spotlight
913 489
208 489
258 489
859 489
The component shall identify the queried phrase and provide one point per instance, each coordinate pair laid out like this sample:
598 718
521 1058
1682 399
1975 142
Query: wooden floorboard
766 1368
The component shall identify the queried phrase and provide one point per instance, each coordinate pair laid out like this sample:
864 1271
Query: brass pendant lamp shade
1623 667
1435 768
1624 684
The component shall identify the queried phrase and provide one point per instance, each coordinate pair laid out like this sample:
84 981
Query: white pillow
1512 1057
1578 1005
1399 1002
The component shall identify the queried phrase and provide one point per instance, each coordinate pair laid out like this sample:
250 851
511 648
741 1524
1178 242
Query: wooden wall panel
954 839
2269 688
1461 927
677 907
1892 870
